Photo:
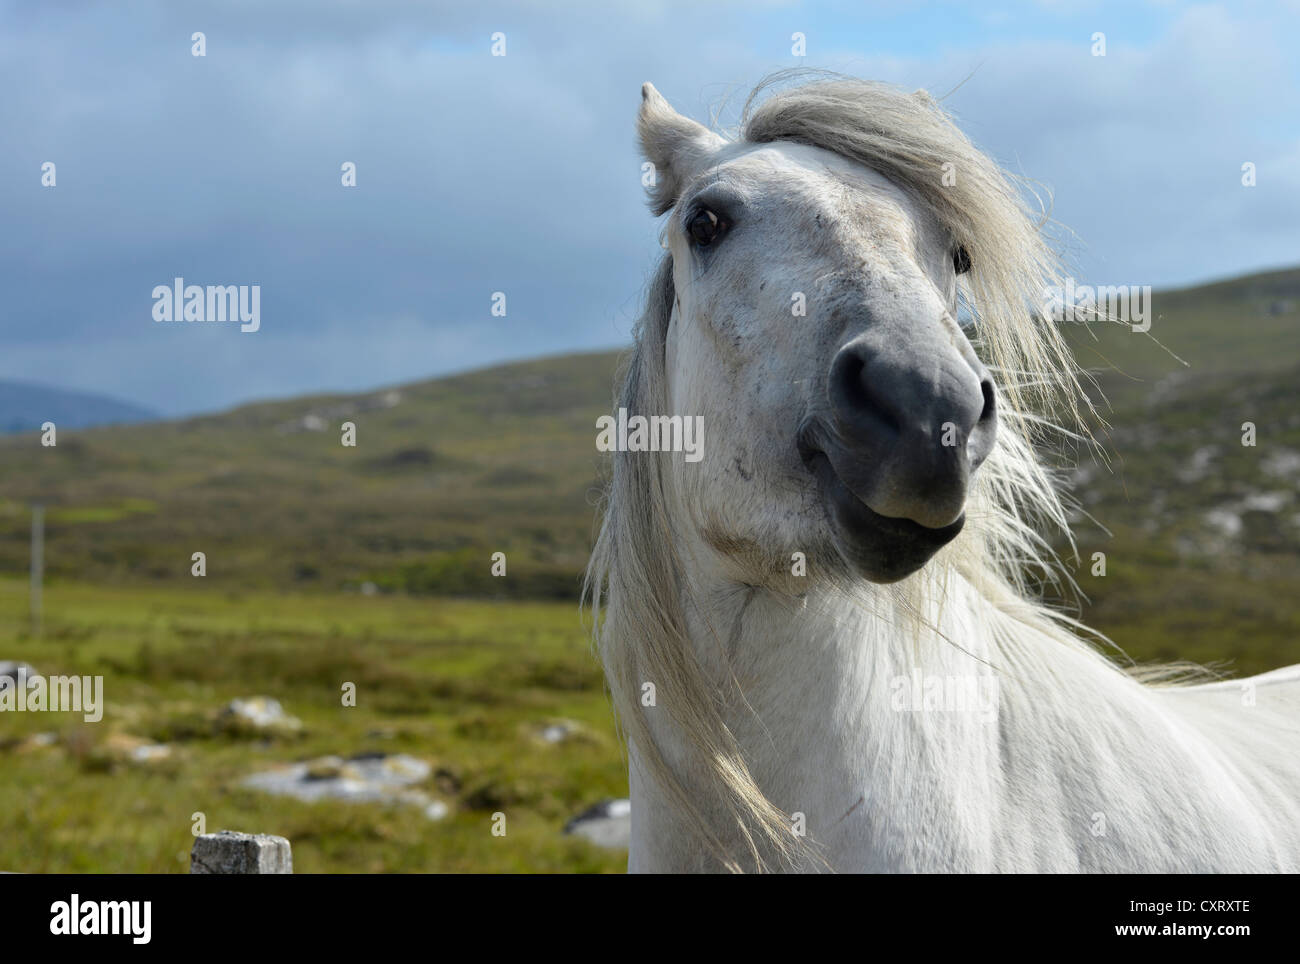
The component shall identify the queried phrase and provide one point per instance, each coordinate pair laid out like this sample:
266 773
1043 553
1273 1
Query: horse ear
677 147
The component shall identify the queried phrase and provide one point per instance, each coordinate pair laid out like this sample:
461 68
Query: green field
463 684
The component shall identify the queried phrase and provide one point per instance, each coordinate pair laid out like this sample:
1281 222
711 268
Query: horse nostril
990 403
861 405
980 443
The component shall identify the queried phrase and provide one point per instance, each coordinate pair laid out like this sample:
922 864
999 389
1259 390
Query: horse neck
811 686
839 673
802 656
830 696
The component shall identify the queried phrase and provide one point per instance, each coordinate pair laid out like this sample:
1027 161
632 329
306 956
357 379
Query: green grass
463 684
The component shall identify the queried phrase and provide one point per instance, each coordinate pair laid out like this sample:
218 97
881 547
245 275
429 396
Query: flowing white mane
972 607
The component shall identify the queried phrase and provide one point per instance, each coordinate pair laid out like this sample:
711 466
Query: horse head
814 328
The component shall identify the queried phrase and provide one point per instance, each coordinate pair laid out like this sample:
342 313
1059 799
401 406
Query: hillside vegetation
1203 550
443 474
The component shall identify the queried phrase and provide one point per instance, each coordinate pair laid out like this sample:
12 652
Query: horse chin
880 549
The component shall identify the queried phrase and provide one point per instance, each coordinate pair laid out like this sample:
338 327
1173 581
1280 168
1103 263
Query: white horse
818 636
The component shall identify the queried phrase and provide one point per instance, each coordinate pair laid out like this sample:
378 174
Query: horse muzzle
894 455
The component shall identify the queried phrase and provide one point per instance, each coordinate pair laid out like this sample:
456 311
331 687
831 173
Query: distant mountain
24 406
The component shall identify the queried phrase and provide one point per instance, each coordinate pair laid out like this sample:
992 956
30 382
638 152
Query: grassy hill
443 474
1201 533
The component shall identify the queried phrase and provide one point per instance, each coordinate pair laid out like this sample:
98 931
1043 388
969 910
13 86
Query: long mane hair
633 583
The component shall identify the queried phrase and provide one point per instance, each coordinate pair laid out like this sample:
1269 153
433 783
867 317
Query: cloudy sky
519 174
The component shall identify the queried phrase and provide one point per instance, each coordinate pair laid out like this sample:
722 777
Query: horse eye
705 227
961 259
